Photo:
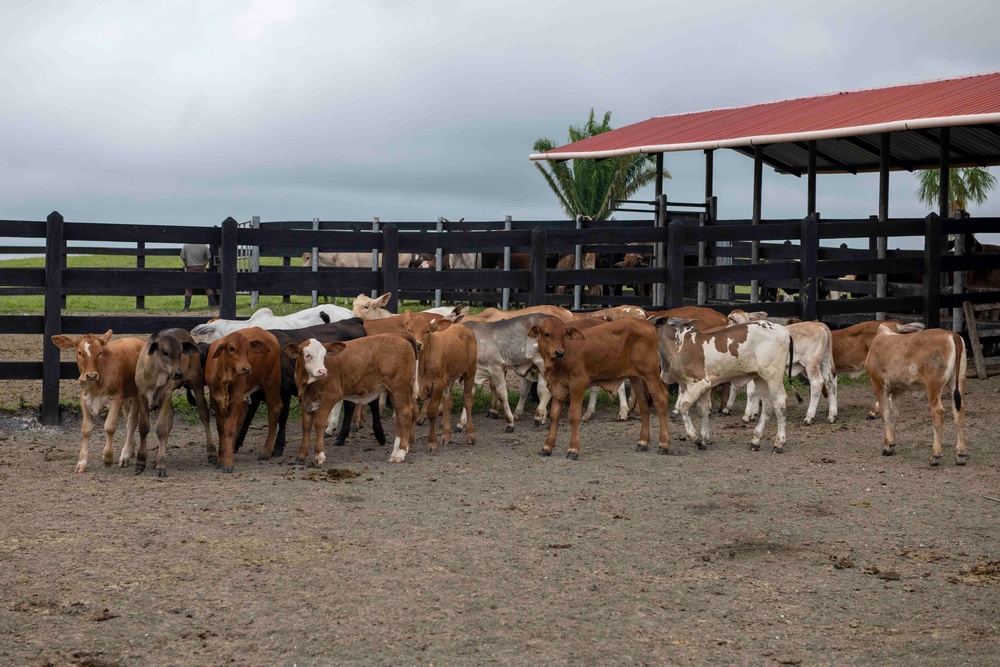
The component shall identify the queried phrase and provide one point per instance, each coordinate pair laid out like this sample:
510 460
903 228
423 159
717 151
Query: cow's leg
937 418
765 407
131 407
164 422
357 420
86 429
494 411
468 395
433 408
705 407
308 422
144 427
447 402
227 436
377 430
110 426
753 407
688 397
544 396
279 440
727 399
406 416
591 404
522 397
333 421
273 403
500 382
830 387
642 401
255 399
203 416
575 413
555 411
777 400
816 383
623 406
661 403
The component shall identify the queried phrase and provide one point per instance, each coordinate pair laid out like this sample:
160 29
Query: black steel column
536 295
390 265
53 317
227 286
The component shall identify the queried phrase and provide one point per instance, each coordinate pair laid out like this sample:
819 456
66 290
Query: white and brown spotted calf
107 378
813 343
168 361
602 355
357 371
697 361
907 360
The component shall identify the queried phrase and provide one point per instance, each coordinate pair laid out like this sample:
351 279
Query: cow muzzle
245 370
559 354
91 377
176 375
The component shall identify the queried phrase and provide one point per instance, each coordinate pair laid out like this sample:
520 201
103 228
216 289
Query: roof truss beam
861 143
771 162
826 156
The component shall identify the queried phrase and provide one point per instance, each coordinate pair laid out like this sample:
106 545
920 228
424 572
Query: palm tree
967 185
590 187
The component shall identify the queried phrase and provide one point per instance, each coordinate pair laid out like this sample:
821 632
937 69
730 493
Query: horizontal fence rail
689 259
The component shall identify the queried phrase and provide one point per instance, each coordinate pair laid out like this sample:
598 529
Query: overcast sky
187 112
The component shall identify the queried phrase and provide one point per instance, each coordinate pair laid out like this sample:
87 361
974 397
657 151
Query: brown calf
357 371
107 377
238 365
494 314
169 360
604 355
909 359
447 353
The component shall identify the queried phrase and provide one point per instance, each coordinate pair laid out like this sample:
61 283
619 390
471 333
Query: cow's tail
791 359
190 396
961 362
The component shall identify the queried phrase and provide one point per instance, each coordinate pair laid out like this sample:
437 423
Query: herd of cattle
330 356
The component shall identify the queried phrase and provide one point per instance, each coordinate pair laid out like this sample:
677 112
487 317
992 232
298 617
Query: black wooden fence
792 253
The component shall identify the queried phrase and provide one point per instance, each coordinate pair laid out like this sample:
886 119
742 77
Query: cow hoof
572 456
807 421
354 429
725 411
470 441
936 460
778 449
754 448
663 450
213 460
381 440
339 443
492 415
457 429
277 454
642 448
961 459
544 453
263 457
160 472
675 415
872 416
538 423
509 429
227 469
421 421
888 452
139 469
701 445
81 469
299 461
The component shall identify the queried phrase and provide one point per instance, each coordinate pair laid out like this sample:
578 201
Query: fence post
228 249
315 263
932 271
53 318
675 264
536 297
577 265
254 261
438 261
958 286
286 262
808 265
390 265
140 263
508 224
376 223
659 260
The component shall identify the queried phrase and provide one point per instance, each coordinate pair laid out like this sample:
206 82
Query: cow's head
739 316
421 328
310 359
552 334
89 353
365 306
165 361
228 359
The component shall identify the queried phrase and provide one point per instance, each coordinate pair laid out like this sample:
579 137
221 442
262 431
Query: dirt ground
828 554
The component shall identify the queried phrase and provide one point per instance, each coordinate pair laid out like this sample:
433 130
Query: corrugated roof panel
909 109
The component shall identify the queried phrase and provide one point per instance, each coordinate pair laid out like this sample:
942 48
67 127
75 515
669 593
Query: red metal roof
916 108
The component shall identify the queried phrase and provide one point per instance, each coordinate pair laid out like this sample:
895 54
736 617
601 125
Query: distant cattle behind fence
695 253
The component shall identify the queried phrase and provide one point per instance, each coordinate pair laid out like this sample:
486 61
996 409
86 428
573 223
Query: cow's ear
440 325
758 315
793 320
533 332
620 264
574 334
64 342
189 348
407 316
336 347
218 351
912 327
678 323
153 347
107 336
384 299
259 347
291 350
656 320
